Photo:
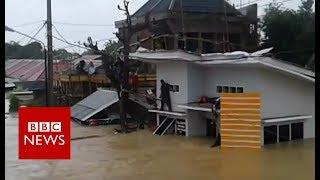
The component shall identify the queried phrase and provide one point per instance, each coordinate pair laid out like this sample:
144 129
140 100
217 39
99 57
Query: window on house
270 134
239 89
233 89
192 44
208 47
284 133
296 131
225 89
175 88
219 89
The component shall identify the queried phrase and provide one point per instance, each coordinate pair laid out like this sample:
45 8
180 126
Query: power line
37 32
29 34
27 24
106 39
63 37
75 45
75 24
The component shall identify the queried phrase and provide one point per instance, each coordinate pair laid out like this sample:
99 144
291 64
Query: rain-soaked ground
140 155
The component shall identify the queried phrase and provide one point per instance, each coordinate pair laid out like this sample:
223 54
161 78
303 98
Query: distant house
31 72
88 58
287 91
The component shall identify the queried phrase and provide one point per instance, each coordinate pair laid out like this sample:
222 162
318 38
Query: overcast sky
99 15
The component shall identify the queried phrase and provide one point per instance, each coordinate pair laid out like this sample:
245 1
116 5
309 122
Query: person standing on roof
165 95
81 67
91 69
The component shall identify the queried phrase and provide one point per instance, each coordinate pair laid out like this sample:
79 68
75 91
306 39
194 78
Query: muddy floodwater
140 155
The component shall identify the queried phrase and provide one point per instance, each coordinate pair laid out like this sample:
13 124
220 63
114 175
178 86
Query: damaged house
201 49
287 96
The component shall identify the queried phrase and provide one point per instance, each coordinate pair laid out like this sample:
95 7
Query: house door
211 128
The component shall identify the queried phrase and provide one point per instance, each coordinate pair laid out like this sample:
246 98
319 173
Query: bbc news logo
39 140
44 133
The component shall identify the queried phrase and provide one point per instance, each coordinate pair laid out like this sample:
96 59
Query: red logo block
44 133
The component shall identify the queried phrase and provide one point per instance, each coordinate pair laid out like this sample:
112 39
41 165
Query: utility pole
50 59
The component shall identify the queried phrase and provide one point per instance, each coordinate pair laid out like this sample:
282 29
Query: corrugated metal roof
93 104
239 58
87 59
191 6
30 69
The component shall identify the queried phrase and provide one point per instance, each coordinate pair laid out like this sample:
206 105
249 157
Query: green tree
290 32
111 47
34 50
64 54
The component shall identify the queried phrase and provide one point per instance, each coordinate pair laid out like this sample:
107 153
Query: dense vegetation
34 50
291 33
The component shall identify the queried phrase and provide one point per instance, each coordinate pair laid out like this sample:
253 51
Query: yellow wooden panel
241 121
239 105
239 111
240 127
244 138
241 146
240 142
251 94
242 101
231 131
240 116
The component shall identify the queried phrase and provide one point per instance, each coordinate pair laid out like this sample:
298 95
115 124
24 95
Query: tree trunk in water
124 94
123 117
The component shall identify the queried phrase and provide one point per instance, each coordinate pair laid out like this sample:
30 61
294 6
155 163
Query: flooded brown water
140 155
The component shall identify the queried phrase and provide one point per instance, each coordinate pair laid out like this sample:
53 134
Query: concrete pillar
176 41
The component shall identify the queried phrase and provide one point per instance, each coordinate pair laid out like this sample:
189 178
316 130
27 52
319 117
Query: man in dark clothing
80 67
165 95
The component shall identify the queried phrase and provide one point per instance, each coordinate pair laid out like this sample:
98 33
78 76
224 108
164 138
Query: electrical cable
74 24
62 37
27 24
37 32
29 34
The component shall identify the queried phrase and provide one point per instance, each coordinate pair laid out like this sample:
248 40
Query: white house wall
195 82
175 74
245 77
283 95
